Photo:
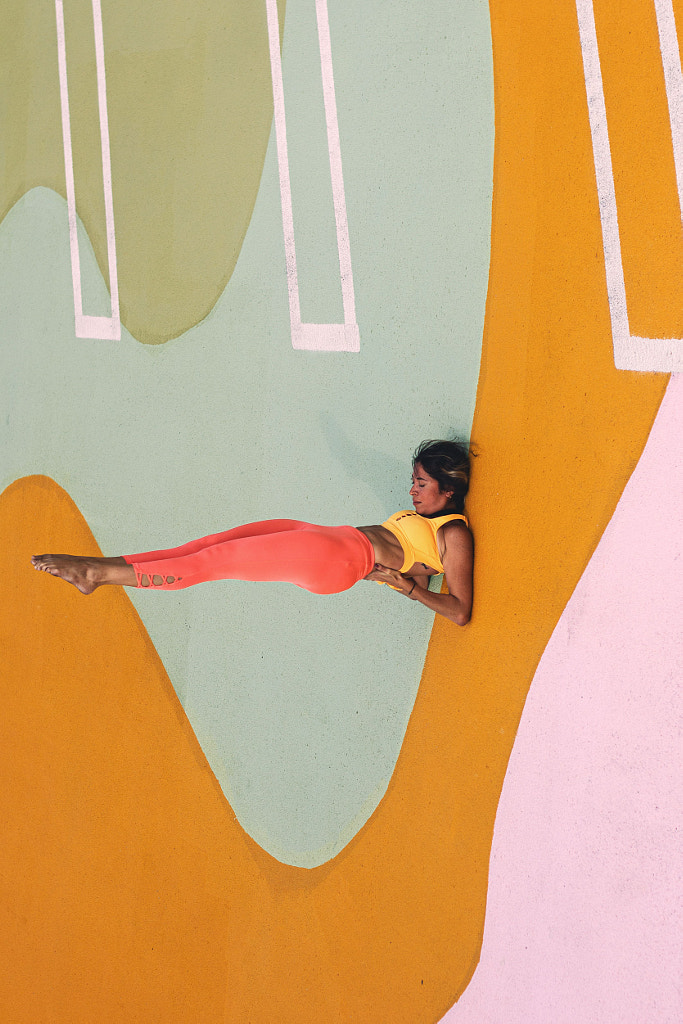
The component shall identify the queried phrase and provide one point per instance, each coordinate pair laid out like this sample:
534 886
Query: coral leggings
322 559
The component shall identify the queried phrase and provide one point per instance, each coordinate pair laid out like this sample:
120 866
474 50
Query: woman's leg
324 560
88 573
238 532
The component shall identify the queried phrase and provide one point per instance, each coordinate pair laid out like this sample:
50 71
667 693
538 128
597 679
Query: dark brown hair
448 462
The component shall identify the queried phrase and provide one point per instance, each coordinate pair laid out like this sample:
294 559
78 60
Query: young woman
403 552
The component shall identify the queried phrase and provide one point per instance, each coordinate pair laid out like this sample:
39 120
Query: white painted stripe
106 158
68 162
313 337
631 352
673 81
327 337
283 163
334 147
104 327
616 288
651 355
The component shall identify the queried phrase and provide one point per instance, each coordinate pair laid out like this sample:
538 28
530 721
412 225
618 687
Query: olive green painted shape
190 108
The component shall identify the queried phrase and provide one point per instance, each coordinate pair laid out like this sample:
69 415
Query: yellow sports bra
417 536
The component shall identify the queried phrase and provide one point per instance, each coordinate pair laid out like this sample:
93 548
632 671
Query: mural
237 286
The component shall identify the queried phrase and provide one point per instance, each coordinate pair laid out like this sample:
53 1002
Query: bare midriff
388 551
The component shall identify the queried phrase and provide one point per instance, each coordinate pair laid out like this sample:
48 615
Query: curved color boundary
584 921
133 891
190 110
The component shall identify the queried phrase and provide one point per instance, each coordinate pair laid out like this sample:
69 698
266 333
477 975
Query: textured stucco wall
247 803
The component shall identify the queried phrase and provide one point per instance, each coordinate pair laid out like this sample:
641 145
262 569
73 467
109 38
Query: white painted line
313 337
616 288
68 161
102 328
326 337
283 161
105 327
334 147
630 351
673 80
106 158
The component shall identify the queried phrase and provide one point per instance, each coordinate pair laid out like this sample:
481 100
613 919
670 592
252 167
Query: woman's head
447 462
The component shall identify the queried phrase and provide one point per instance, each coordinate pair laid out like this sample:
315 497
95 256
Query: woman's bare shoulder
457 540
456 527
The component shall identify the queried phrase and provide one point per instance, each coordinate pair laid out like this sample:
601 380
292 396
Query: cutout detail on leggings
163 581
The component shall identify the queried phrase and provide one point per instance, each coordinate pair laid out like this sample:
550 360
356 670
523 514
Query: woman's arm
422 579
458 566
458 563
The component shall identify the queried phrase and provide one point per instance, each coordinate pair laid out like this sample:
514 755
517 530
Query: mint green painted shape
300 702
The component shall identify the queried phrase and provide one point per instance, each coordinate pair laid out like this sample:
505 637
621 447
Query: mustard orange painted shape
131 888
131 891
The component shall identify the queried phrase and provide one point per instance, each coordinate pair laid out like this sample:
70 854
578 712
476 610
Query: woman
403 552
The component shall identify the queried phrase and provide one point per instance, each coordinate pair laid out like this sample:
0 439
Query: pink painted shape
584 921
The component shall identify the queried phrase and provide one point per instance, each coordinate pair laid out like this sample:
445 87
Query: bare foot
85 573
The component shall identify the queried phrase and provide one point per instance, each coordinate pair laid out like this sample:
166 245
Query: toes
42 564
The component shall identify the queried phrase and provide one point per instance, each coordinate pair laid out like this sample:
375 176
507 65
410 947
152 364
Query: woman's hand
392 577
458 560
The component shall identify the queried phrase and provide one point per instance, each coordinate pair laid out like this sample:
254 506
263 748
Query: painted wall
247 803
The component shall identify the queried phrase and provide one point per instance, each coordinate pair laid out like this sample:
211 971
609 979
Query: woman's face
427 496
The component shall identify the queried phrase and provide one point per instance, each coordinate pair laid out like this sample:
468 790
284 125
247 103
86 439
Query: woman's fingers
383 574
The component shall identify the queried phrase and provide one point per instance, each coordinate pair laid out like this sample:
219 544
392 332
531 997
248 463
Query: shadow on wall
373 467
